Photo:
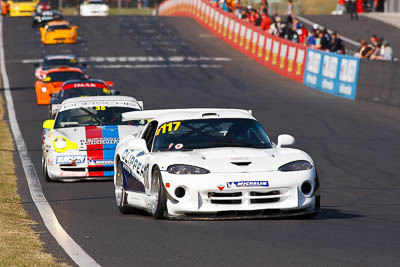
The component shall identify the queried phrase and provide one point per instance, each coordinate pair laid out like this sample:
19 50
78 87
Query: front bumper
59 40
78 170
215 195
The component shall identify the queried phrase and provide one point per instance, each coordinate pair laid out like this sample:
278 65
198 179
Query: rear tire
158 203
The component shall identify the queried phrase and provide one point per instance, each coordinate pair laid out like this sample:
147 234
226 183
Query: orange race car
5 7
53 80
56 32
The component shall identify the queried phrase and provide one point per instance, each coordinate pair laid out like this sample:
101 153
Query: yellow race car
22 7
59 32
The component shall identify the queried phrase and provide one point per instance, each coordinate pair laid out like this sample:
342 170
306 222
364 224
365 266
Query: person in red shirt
265 20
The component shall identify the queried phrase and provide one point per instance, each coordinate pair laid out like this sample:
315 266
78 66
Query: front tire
44 171
120 194
158 202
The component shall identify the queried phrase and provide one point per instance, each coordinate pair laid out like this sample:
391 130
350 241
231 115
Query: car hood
233 160
94 137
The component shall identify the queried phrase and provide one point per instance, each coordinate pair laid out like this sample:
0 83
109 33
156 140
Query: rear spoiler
151 114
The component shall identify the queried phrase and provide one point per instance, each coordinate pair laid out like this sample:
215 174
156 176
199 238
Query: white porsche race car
94 8
212 164
80 143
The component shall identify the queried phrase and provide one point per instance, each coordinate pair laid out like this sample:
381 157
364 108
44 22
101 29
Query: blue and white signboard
332 73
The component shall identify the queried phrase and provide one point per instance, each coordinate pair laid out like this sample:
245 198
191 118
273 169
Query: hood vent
243 163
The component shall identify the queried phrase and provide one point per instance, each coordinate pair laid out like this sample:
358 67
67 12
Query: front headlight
186 169
298 165
62 144
105 8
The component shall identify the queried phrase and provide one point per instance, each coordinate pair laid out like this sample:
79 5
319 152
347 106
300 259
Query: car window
62 76
85 91
58 27
92 116
71 62
148 135
210 133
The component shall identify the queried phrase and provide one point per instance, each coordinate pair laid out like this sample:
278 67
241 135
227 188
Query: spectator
340 8
265 20
337 44
224 6
311 40
322 41
289 12
386 52
352 4
363 50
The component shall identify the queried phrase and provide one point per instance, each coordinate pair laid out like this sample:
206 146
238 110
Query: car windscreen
84 91
210 133
92 116
72 62
62 76
20 1
58 27
96 2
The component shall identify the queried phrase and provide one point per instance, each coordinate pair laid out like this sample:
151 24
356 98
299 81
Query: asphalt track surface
355 145
359 30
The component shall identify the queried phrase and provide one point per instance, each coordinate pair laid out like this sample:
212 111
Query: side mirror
138 144
140 104
115 92
285 140
48 124
83 64
74 27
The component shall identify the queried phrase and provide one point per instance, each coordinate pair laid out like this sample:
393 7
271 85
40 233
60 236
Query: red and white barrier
282 56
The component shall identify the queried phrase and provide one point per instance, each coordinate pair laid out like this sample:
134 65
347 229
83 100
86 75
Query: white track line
77 254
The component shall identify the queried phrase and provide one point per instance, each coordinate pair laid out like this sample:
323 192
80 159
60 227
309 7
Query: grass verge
19 244
68 11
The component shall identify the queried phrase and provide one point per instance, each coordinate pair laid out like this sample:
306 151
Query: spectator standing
289 12
265 20
311 40
323 43
352 4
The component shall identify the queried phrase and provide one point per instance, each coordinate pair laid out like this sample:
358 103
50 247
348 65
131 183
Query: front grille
59 39
101 169
69 169
227 201
217 194
264 200
246 197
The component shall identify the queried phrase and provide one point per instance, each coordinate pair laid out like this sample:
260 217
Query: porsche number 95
212 163
80 143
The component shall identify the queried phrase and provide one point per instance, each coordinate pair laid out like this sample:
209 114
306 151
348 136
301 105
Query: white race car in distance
80 143
94 8
212 164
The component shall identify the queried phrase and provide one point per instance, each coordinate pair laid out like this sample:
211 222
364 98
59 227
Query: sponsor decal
66 159
247 184
101 141
221 187
178 146
100 162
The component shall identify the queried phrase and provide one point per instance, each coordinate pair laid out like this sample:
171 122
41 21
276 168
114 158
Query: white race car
94 8
80 143
212 164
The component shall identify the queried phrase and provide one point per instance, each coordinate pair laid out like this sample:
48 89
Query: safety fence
326 72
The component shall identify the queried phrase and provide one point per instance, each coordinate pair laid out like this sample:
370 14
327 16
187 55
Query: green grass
68 11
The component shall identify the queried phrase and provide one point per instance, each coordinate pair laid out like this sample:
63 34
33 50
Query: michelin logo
247 184
100 162
70 158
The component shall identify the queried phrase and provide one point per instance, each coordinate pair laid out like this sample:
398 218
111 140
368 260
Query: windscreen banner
332 73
